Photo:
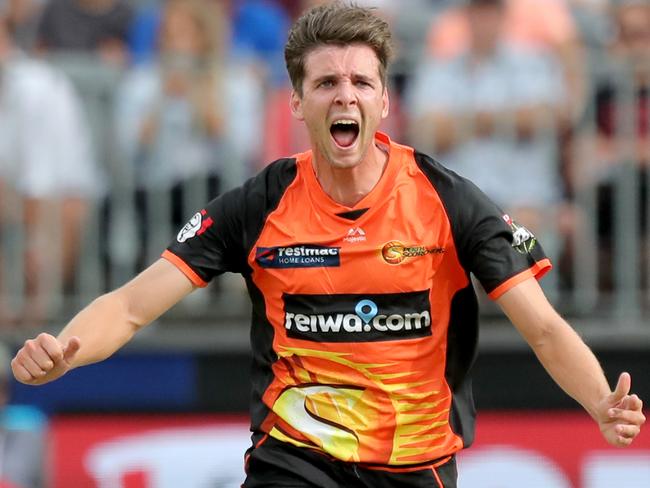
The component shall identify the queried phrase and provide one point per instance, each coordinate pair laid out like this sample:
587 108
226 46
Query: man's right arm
104 326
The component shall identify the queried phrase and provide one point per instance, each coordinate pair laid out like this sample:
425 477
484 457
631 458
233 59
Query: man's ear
386 100
296 105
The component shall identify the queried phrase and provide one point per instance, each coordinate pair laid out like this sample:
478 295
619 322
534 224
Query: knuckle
43 336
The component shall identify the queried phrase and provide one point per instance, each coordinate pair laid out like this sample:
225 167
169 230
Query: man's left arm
571 363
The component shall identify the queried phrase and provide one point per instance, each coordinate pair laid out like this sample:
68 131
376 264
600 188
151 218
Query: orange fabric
538 270
438 480
187 271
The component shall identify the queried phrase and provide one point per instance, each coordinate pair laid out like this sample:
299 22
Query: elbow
548 333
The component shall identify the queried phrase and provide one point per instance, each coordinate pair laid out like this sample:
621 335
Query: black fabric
462 345
238 217
278 464
353 214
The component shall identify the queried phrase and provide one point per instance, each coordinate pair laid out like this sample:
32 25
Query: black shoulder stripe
262 195
473 217
446 183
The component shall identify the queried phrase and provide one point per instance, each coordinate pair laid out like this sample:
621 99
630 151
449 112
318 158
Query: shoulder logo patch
523 240
196 226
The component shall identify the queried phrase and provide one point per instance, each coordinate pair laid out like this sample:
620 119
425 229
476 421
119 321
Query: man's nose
345 94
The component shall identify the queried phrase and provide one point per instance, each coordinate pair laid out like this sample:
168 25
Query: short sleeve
211 242
218 238
491 245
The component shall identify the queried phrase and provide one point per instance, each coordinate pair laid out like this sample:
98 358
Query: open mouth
344 132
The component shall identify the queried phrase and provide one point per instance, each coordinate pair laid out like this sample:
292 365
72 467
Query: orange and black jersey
364 323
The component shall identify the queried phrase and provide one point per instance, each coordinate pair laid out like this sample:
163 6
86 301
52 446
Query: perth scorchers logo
195 227
394 252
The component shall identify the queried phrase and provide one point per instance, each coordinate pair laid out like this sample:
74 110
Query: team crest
196 226
523 240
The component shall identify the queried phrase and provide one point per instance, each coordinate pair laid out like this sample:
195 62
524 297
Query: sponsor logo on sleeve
523 240
196 226
358 318
298 256
394 252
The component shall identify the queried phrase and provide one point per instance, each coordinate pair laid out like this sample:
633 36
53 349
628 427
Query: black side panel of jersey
483 241
462 341
236 220
263 194
462 332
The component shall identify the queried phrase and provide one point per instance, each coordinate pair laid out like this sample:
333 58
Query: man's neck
350 185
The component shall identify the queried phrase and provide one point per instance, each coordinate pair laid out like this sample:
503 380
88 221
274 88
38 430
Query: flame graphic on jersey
357 412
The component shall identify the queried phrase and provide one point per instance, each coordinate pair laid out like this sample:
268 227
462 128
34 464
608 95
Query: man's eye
326 84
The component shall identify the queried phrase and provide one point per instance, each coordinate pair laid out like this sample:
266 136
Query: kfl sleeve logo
196 226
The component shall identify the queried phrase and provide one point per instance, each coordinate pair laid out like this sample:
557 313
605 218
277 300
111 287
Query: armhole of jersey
184 268
537 271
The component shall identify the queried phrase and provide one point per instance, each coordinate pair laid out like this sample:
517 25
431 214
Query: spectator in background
258 32
46 159
22 436
188 115
542 25
87 26
622 124
23 17
490 113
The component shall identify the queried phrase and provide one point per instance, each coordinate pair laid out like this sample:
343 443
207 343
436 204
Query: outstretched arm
104 326
572 364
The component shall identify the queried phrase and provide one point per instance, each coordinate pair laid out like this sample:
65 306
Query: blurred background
120 118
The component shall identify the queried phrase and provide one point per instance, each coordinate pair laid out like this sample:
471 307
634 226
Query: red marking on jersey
205 223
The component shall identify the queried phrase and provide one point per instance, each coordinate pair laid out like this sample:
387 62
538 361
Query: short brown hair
336 23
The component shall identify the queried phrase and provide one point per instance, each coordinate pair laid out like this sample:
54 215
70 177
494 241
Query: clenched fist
620 415
44 359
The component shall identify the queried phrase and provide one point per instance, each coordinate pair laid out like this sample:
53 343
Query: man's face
342 104
485 23
634 30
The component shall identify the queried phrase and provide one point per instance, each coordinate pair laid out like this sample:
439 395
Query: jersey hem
537 271
184 268
409 469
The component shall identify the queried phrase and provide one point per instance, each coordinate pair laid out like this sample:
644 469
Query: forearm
558 347
572 365
103 327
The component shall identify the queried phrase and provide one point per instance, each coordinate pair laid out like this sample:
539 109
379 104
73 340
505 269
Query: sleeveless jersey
364 319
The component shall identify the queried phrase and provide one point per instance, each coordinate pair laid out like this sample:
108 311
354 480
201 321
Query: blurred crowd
167 103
